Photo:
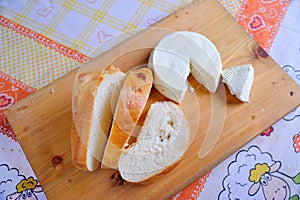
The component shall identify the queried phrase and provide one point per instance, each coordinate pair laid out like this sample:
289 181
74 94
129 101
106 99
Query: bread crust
160 175
83 102
79 151
132 100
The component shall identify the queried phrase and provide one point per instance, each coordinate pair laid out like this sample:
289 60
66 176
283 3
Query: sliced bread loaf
162 142
95 99
132 100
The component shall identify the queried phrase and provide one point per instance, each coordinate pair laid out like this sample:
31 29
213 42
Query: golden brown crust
78 150
84 97
132 100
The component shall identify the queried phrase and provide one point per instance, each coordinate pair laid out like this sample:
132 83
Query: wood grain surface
42 121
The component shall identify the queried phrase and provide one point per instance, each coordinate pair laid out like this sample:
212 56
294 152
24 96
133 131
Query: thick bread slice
132 100
95 100
162 142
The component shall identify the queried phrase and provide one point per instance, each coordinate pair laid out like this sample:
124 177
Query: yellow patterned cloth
96 22
81 25
32 62
232 6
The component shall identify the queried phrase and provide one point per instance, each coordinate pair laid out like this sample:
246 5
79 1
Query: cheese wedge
176 56
239 80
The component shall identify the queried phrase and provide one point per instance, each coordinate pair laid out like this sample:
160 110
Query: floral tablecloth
43 40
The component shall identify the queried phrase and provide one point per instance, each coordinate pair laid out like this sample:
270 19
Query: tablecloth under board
40 42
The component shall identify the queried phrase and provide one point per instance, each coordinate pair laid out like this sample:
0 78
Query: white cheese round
176 56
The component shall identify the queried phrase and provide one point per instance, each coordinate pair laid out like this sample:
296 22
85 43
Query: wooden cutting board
42 121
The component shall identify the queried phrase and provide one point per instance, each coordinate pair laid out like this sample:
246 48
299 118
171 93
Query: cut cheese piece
206 66
162 142
174 56
170 71
239 80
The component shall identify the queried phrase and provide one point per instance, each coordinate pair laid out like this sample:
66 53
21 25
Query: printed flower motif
296 140
267 132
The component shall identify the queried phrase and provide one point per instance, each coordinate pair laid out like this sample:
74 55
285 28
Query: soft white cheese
206 65
170 72
239 80
179 53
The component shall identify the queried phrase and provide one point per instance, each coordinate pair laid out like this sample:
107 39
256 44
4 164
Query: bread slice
162 142
132 100
94 102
